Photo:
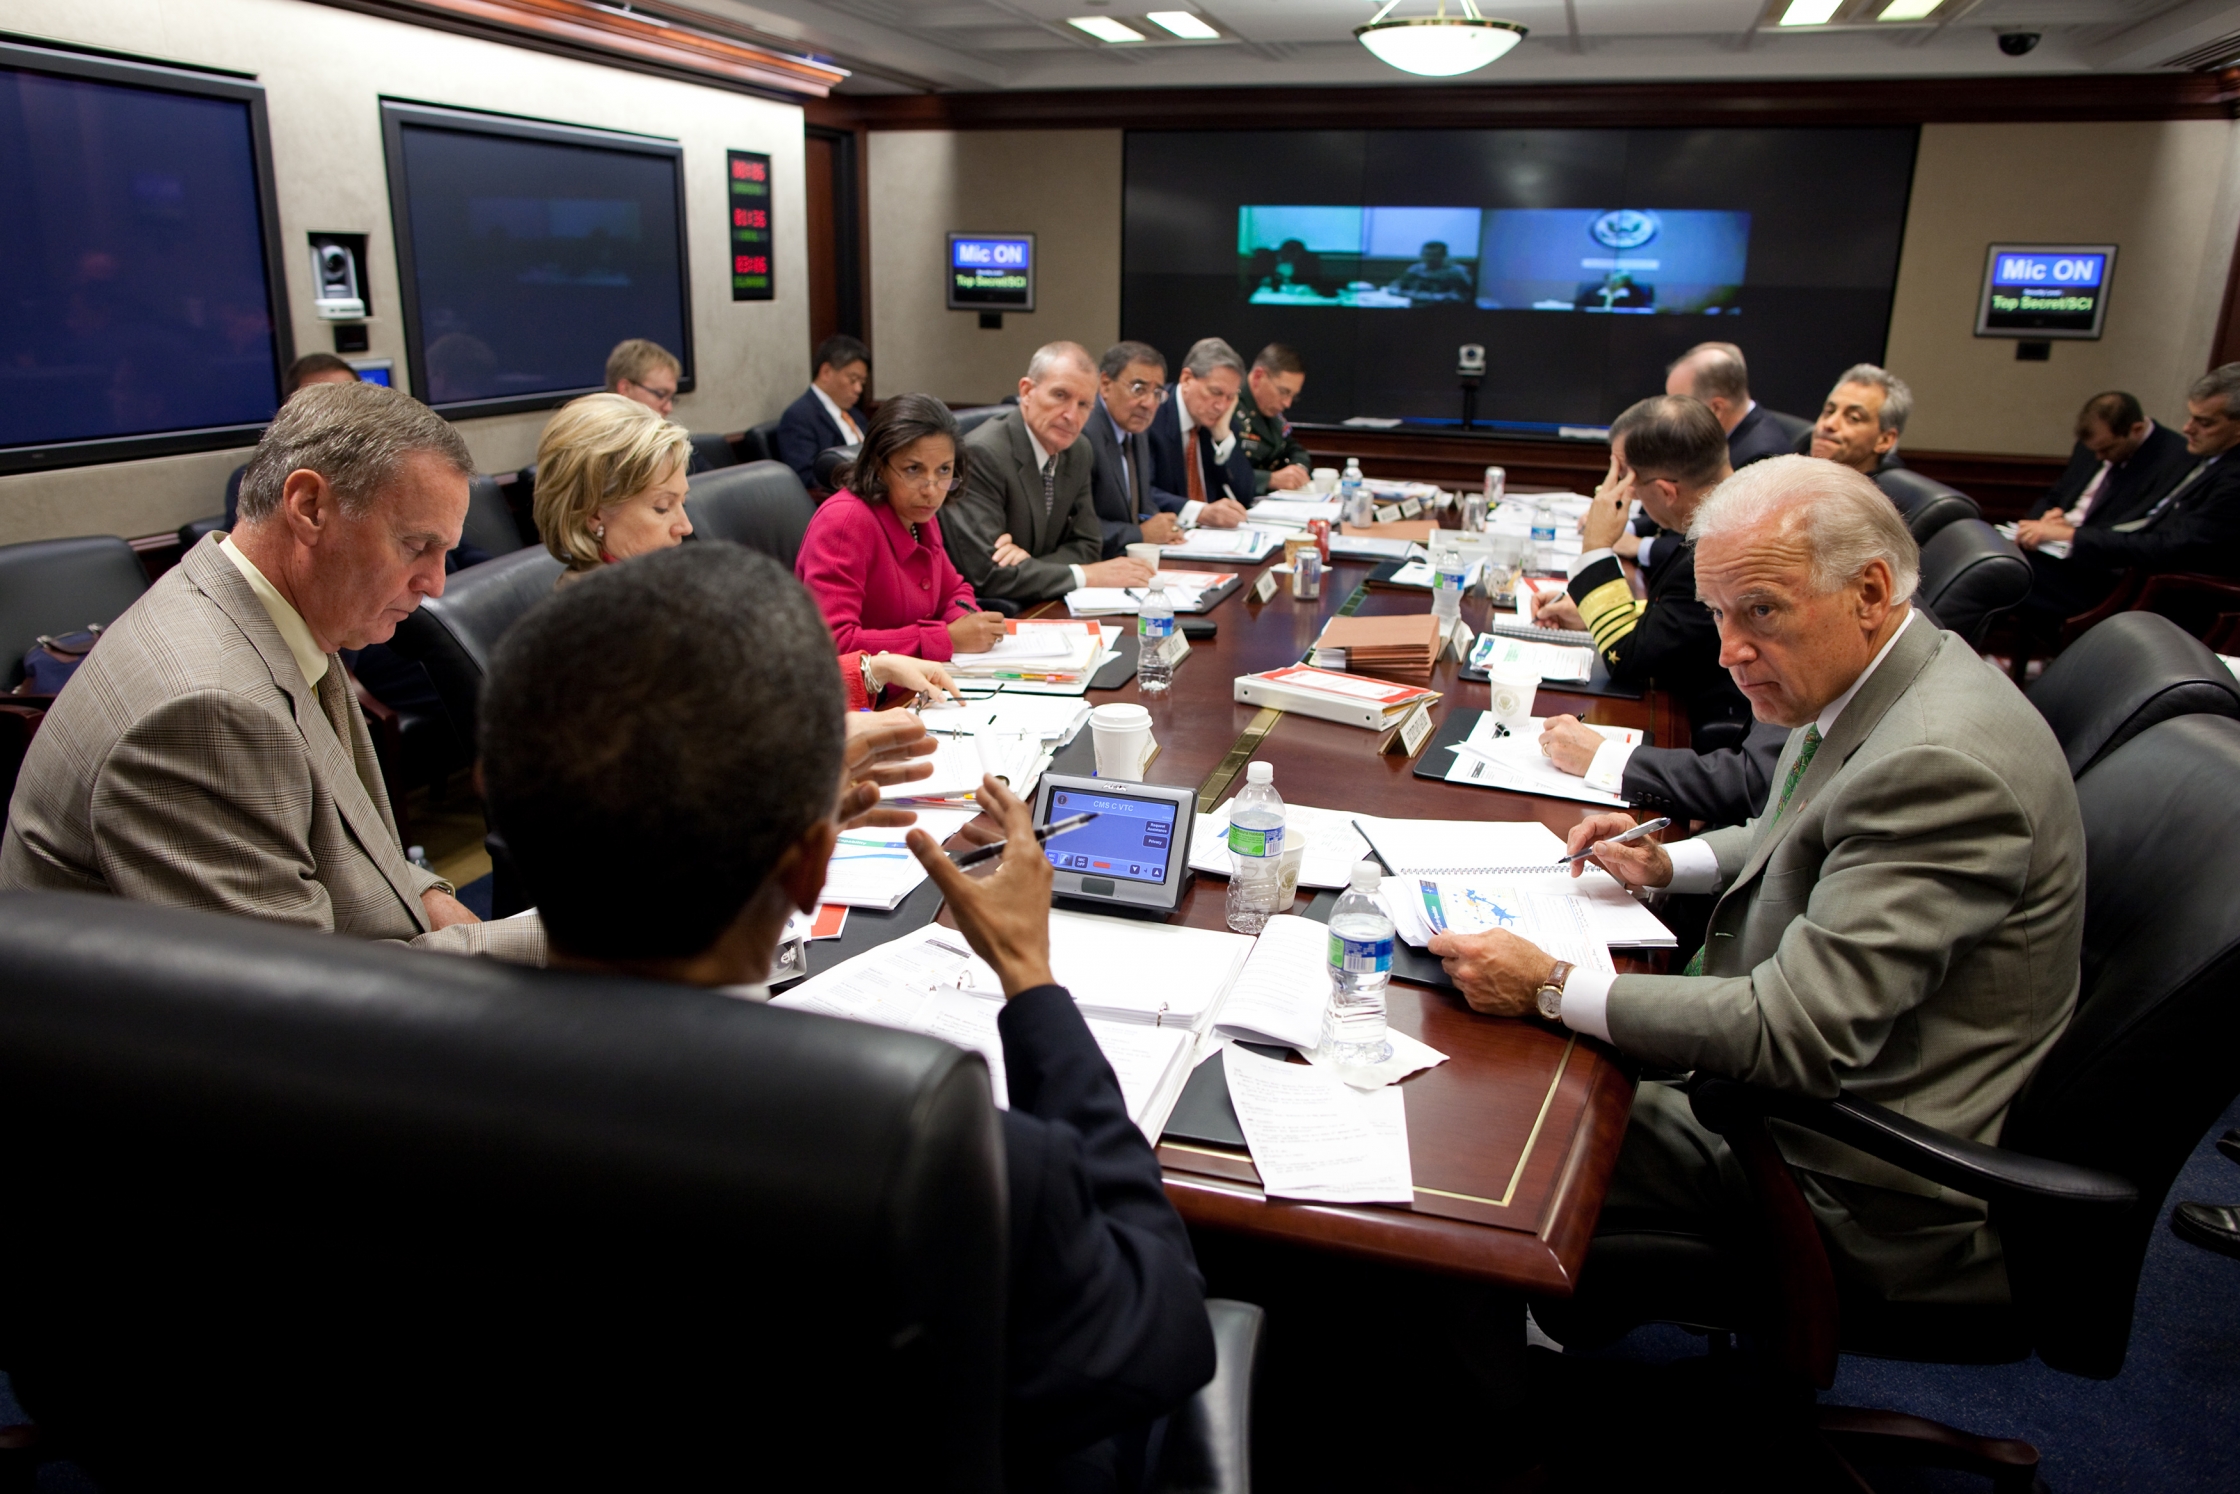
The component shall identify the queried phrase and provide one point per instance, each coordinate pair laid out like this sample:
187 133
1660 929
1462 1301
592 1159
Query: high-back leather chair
761 505
758 442
1926 504
714 451
972 418
834 460
2127 674
61 586
1970 575
490 525
191 532
325 1213
454 635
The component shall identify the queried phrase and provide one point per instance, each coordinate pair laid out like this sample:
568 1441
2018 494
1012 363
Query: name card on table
1265 588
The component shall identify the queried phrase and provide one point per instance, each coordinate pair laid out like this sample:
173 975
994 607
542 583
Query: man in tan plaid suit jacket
209 753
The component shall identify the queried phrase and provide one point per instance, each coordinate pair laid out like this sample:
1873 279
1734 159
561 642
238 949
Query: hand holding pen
1621 848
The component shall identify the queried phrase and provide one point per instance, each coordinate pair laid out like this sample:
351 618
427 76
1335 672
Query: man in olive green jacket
1901 921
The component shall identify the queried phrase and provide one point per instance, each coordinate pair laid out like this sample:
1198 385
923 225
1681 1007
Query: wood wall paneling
818 214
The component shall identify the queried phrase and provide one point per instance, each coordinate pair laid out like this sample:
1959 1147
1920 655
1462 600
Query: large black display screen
528 251
136 275
1584 261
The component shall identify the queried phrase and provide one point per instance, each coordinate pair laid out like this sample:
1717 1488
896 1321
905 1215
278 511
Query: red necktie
1197 464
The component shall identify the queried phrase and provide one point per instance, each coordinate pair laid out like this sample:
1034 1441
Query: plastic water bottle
1544 535
1449 570
1353 1030
1355 506
1155 643
1256 851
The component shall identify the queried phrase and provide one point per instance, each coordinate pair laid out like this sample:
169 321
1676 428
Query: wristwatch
1551 991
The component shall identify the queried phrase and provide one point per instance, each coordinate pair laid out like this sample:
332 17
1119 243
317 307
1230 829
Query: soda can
1320 529
1497 486
1306 573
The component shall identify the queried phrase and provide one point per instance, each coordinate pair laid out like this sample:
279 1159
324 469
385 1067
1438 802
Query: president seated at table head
210 753
1024 526
717 770
1901 921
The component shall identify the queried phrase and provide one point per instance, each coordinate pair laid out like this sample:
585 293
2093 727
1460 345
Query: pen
1634 834
1042 833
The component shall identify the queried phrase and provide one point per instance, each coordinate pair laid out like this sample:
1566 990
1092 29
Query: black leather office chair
321 1213
832 461
2127 674
758 443
1971 574
761 505
714 451
1928 505
191 532
2090 1147
1208 1446
490 525
973 417
61 586
454 635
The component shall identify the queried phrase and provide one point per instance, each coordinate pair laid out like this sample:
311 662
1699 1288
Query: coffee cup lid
1119 716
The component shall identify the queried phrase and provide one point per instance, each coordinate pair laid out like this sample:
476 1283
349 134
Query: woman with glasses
874 557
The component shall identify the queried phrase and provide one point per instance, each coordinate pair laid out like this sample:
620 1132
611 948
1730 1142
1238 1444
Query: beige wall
324 71
1063 186
2164 192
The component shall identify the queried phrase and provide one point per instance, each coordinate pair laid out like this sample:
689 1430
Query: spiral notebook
1515 853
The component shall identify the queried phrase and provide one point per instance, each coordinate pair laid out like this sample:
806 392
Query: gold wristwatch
1551 991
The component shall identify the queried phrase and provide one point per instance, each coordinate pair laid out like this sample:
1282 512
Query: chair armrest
2177 584
1990 1173
2120 600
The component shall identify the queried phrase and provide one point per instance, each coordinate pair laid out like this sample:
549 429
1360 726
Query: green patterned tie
1788 787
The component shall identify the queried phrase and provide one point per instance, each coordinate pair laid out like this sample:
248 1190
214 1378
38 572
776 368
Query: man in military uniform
1433 278
1280 462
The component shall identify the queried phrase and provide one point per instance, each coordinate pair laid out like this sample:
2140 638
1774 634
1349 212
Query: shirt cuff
1695 867
1608 770
1080 577
1223 445
1641 556
1190 512
1574 567
1586 1002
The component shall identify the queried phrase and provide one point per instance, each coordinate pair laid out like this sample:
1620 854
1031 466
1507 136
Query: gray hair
2223 380
1897 395
356 436
1715 371
1052 356
1121 354
1847 521
1210 353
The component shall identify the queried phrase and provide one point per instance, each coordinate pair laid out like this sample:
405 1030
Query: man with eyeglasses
825 415
1131 386
1280 462
649 373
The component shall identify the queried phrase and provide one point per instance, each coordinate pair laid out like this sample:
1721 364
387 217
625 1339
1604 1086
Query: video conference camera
2015 43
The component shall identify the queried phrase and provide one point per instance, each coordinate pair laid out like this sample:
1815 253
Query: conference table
1512 1138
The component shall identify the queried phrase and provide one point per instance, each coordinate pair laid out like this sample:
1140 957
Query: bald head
1713 372
1055 396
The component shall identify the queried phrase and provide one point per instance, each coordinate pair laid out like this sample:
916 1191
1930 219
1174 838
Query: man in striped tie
1901 921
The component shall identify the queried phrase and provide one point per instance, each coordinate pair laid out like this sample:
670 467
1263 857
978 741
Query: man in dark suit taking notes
2122 463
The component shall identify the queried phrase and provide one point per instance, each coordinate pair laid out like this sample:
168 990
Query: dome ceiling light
1438 46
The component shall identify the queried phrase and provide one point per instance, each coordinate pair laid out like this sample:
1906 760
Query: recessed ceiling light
1190 28
1105 29
1809 12
1907 10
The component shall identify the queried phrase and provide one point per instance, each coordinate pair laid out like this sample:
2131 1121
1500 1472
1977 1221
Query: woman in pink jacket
873 556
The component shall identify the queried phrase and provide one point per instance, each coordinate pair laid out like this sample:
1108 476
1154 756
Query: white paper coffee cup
1122 735
1146 553
1325 479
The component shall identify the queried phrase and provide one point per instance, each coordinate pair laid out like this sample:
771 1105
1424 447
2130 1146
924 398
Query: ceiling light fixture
1908 10
1809 12
1105 29
1440 46
1190 27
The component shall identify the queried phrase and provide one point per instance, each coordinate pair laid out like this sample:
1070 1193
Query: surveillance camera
2015 43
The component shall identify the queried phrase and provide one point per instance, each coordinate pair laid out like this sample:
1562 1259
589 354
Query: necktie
1196 462
1049 486
2090 495
338 704
2152 514
1132 456
1788 787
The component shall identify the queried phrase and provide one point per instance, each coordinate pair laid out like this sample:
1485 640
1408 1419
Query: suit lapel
332 760
1865 712
1030 479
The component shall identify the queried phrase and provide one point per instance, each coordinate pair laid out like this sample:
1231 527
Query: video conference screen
1584 261
528 252
136 305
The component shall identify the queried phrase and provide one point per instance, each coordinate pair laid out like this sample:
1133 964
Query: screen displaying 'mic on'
2035 290
991 272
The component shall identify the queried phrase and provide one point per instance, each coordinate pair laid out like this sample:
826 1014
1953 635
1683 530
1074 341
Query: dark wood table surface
1513 1138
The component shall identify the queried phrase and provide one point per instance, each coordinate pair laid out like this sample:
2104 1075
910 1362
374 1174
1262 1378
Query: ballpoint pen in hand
1636 833
1042 833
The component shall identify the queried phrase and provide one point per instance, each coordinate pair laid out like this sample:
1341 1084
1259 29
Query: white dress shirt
294 631
840 417
1042 461
1224 442
1695 868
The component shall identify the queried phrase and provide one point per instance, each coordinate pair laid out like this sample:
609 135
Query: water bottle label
1266 844
1360 956
1154 627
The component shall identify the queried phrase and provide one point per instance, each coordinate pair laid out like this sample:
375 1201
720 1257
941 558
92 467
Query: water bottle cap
1366 876
1260 773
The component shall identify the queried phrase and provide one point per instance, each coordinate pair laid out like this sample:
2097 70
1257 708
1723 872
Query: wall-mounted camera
2015 43
1470 359
338 277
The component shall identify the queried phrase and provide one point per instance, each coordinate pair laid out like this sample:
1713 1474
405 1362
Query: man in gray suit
209 753
1024 525
1901 921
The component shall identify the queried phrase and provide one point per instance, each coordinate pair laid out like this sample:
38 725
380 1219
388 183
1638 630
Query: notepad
1333 845
1242 544
1558 923
873 868
1515 853
1282 991
1487 758
1294 513
1314 1137
1049 718
1549 661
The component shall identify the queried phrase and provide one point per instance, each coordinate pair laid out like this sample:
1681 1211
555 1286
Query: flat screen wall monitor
145 310
1134 855
2045 290
527 250
991 272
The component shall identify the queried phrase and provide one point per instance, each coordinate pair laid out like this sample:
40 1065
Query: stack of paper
1282 991
1372 545
929 982
1417 531
2051 549
1387 490
1186 592
1236 545
1294 513
1403 647
873 868
958 766
1314 1137
1048 651
1332 696
1055 719
1513 854
1550 661
1333 845
1490 758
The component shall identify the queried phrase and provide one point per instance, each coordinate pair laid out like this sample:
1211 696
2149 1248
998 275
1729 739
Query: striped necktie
1049 486
2152 514
1788 787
